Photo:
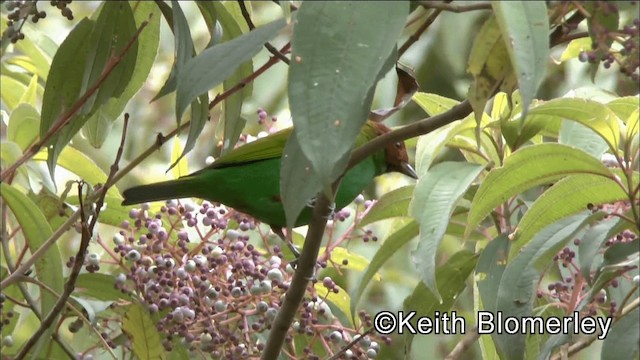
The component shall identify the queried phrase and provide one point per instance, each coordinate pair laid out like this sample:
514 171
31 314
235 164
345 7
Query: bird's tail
167 190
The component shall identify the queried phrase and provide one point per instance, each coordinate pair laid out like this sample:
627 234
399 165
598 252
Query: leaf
525 29
452 277
490 269
407 86
390 246
29 96
339 50
516 295
436 195
233 122
356 262
182 167
392 204
489 65
36 231
594 115
97 127
340 300
528 167
296 187
11 91
95 44
81 165
23 125
593 239
212 66
182 42
98 286
622 340
575 47
566 197
41 62
581 137
143 334
434 104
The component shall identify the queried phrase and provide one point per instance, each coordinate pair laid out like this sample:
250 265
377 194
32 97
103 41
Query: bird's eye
398 145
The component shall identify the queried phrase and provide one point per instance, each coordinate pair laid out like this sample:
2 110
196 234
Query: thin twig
351 344
464 344
66 117
454 8
270 48
87 230
416 35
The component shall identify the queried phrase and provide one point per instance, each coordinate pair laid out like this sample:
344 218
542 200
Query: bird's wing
268 147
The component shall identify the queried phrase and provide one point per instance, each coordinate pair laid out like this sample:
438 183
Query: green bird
248 178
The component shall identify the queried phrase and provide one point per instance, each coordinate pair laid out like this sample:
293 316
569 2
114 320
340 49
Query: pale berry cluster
215 293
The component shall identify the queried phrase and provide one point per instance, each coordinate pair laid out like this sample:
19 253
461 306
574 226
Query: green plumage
248 179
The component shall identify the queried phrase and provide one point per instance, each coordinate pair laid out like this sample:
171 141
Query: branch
308 258
586 341
304 272
416 35
87 230
66 118
418 128
271 48
464 344
454 8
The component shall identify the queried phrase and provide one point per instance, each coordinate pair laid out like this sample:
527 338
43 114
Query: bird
247 178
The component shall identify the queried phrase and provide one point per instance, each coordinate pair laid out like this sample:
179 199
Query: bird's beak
406 169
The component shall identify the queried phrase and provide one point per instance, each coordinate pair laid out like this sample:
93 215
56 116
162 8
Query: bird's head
396 156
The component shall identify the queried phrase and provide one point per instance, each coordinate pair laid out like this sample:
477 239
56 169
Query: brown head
395 154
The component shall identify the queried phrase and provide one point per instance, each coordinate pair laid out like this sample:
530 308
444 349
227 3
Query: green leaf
489 65
233 122
339 50
11 90
23 125
622 341
528 167
63 86
98 286
390 246
525 30
392 204
41 62
436 195
581 137
434 104
340 300
625 106
296 187
516 294
593 239
575 47
81 165
183 45
94 44
566 197
215 64
143 334
29 96
97 127
490 269
36 231
594 115
452 277
356 262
